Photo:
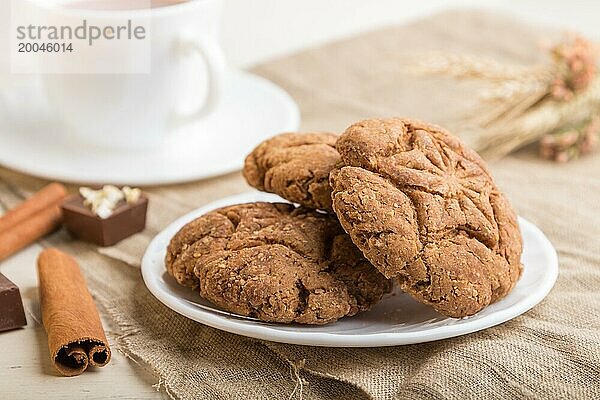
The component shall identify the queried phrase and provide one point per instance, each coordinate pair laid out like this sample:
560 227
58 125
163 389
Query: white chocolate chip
131 195
113 194
86 192
103 202
104 210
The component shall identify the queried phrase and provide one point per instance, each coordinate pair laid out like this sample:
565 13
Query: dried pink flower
570 144
575 64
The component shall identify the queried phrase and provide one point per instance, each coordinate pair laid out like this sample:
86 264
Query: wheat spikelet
500 139
522 104
469 67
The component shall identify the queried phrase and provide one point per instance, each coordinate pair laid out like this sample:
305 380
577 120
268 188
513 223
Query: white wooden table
25 368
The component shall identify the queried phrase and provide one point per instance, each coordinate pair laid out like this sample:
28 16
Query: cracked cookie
425 210
294 166
275 262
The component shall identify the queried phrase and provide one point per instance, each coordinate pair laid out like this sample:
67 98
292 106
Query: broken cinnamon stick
48 196
29 230
76 338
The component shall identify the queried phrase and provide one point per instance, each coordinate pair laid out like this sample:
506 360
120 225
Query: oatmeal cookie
275 262
295 166
424 209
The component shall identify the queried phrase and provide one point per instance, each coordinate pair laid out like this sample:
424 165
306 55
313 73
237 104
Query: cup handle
214 59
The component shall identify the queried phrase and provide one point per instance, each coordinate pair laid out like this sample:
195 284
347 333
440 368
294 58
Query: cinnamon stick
76 338
28 231
48 196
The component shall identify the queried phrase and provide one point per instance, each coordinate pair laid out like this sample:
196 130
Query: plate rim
283 97
381 339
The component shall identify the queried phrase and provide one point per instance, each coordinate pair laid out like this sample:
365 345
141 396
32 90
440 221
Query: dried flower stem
525 104
501 139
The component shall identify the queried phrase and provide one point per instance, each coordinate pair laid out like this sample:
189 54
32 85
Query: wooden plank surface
25 368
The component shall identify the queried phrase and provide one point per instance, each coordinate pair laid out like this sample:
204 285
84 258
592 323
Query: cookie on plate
295 166
275 262
424 209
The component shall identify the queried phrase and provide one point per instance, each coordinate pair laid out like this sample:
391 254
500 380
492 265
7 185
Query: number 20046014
45 47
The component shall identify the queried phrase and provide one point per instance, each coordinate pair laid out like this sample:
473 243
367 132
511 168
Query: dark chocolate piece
82 223
12 315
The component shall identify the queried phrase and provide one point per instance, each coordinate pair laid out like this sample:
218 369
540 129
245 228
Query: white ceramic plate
397 320
252 110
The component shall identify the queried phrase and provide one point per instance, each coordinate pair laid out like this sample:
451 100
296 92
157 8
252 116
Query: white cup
184 80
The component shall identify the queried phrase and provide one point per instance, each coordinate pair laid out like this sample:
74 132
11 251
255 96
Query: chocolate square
82 223
12 315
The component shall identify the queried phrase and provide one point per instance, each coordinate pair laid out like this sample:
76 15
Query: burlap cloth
552 351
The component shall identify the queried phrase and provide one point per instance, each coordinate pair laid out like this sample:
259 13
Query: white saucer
253 109
397 320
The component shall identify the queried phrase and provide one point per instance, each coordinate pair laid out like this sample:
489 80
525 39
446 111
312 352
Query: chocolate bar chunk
82 223
12 315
